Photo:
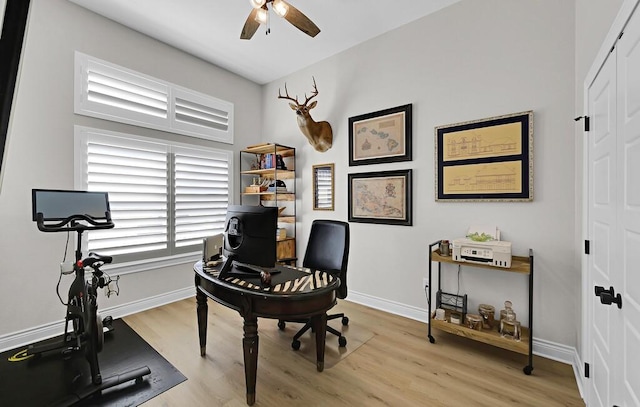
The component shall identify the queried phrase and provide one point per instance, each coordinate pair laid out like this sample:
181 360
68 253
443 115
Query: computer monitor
250 236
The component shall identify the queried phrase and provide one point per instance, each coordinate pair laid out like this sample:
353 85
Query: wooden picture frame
485 160
381 137
323 187
383 197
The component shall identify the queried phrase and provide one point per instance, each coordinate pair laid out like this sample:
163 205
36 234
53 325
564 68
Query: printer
482 246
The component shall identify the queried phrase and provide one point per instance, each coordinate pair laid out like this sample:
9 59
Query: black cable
458 289
58 289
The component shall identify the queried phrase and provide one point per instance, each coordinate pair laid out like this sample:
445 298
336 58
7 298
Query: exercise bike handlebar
74 223
96 258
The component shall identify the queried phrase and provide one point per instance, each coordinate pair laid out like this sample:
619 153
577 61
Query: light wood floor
396 367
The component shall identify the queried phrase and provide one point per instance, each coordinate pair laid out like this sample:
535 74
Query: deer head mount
319 134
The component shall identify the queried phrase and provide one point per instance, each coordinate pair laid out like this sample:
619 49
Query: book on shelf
270 160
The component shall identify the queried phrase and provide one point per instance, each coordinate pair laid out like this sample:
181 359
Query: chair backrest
328 250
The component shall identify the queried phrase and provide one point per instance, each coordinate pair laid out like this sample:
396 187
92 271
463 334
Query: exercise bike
84 329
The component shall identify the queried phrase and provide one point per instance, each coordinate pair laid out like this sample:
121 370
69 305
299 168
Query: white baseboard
29 336
415 313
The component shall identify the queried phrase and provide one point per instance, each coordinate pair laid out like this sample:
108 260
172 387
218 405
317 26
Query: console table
293 294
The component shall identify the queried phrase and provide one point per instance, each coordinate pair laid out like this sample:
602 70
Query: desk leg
320 327
250 347
202 312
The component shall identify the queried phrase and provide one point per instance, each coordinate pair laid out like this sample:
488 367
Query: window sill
152 264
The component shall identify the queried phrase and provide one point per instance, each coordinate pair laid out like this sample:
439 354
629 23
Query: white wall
469 61
40 150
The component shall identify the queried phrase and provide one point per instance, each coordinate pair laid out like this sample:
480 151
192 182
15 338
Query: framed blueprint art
485 160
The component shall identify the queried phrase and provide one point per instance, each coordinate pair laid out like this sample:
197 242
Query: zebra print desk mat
288 280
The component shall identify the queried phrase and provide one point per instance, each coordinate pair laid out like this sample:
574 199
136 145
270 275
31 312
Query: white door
601 224
628 210
614 226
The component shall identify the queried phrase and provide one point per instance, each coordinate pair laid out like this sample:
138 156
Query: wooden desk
294 294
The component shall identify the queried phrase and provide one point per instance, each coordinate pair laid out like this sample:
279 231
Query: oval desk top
289 280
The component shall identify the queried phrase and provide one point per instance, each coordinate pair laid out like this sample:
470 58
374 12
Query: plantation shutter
115 93
135 174
201 194
201 115
324 188
164 197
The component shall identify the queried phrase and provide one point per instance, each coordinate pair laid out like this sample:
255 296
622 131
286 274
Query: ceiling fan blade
250 26
301 22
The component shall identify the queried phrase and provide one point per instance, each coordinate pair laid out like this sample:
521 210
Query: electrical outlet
425 282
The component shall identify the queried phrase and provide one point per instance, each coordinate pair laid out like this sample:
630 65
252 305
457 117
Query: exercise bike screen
59 205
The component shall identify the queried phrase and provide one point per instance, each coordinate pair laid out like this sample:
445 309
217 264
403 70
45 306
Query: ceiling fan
260 15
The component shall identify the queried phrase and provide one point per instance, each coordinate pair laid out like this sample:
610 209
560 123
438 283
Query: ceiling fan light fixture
261 16
257 3
280 7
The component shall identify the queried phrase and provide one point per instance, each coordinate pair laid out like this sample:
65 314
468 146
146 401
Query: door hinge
586 121
587 247
586 369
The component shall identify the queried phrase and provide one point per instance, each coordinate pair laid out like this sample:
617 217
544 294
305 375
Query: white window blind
164 197
324 188
115 93
196 114
201 195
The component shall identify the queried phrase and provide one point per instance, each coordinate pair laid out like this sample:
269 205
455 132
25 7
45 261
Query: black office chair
327 250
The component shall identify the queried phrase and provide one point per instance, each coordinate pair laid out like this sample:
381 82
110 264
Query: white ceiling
210 29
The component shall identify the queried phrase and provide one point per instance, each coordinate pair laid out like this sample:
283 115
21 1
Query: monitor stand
226 266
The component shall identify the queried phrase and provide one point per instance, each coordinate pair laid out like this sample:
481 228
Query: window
111 92
165 197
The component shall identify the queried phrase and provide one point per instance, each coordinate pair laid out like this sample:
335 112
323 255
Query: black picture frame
383 197
485 160
381 137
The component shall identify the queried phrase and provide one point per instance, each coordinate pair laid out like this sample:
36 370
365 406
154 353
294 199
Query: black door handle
599 290
608 299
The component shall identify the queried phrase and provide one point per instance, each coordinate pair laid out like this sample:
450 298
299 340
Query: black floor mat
48 379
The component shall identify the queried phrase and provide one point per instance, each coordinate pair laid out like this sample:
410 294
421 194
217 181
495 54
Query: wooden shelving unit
520 265
249 159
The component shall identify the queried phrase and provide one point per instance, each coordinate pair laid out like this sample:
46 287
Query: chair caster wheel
345 321
342 341
527 370
281 325
295 344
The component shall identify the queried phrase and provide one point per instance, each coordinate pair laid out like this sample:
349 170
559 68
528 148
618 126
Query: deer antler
287 95
314 93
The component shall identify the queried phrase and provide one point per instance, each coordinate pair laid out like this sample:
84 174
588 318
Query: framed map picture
380 137
381 197
486 160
